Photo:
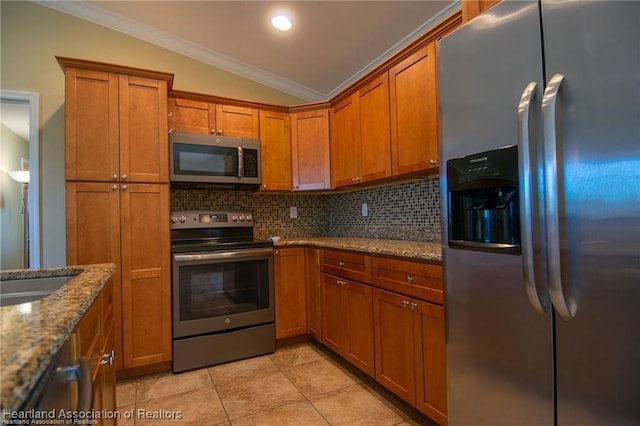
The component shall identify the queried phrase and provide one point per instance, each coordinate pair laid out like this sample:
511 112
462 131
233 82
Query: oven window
221 289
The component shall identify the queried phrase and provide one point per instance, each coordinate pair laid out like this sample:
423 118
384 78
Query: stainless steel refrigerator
540 178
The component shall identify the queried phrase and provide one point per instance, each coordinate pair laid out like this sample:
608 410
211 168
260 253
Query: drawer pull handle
341 263
409 279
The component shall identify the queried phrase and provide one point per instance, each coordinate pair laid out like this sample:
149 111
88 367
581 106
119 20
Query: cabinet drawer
421 280
354 266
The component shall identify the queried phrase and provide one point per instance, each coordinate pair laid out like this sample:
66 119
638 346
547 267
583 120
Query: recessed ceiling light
281 23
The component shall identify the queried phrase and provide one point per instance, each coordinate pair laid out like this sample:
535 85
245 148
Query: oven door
216 291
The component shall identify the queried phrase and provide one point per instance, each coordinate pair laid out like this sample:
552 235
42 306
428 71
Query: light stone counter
416 250
32 333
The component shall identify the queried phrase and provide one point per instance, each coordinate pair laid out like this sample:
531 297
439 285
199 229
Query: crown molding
151 35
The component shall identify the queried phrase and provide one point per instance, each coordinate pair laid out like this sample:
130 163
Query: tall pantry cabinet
117 197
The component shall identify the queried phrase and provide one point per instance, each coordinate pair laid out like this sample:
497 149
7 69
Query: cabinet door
431 360
290 292
314 293
414 121
93 236
275 150
394 352
310 161
190 116
375 130
345 142
91 125
359 323
146 285
333 317
107 379
237 121
144 145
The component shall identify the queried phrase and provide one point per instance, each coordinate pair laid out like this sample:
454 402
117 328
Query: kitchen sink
14 292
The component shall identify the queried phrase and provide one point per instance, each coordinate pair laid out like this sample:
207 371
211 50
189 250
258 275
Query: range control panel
210 219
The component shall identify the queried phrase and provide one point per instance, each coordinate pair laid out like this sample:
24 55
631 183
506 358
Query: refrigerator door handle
526 220
551 197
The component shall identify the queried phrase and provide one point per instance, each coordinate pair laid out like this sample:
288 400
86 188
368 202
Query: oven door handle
236 254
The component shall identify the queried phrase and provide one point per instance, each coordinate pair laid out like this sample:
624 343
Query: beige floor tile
318 377
166 384
354 405
294 414
291 356
201 407
125 412
126 393
241 369
258 393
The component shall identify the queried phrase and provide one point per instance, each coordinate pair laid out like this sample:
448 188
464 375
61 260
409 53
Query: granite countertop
32 333
416 250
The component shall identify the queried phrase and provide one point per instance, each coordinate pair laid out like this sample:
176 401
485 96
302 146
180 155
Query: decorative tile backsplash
408 211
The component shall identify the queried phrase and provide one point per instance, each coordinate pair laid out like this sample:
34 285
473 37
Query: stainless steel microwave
214 159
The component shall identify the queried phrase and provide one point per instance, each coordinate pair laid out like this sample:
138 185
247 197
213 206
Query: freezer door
499 348
596 46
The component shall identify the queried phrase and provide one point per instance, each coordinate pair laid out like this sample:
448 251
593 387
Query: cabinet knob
409 279
213 131
295 187
114 187
124 177
432 162
406 303
220 132
124 187
264 186
353 180
340 263
413 305
114 177
277 252
170 114
170 131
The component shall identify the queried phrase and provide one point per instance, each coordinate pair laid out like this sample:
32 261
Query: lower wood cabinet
347 326
410 351
313 283
94 340
290 297
127 225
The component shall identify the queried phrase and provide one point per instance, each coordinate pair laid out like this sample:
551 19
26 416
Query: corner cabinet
117 197
414 112
310 160
360 135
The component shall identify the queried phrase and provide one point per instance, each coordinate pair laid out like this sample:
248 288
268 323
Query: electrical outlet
365 210
293 212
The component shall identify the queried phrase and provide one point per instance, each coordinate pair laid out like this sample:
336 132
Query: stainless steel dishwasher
65 390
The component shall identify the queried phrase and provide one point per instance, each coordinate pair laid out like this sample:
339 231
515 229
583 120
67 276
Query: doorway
19 180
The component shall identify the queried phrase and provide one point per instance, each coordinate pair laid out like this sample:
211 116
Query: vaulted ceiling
331 45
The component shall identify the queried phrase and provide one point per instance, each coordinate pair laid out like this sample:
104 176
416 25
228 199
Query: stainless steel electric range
222 284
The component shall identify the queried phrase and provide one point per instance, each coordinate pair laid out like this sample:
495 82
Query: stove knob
241 218
182 219
249 218
234 218
174 219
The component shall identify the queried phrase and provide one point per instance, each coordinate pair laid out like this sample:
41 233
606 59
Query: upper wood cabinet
414 109
275 151
473 8
310 161
186 115
360 135
115 127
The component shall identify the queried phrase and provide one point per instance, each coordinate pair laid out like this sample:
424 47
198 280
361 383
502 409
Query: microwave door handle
240 163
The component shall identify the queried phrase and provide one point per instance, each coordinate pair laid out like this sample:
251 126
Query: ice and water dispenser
484 210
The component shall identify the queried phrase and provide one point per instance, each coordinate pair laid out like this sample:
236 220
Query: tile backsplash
408 211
